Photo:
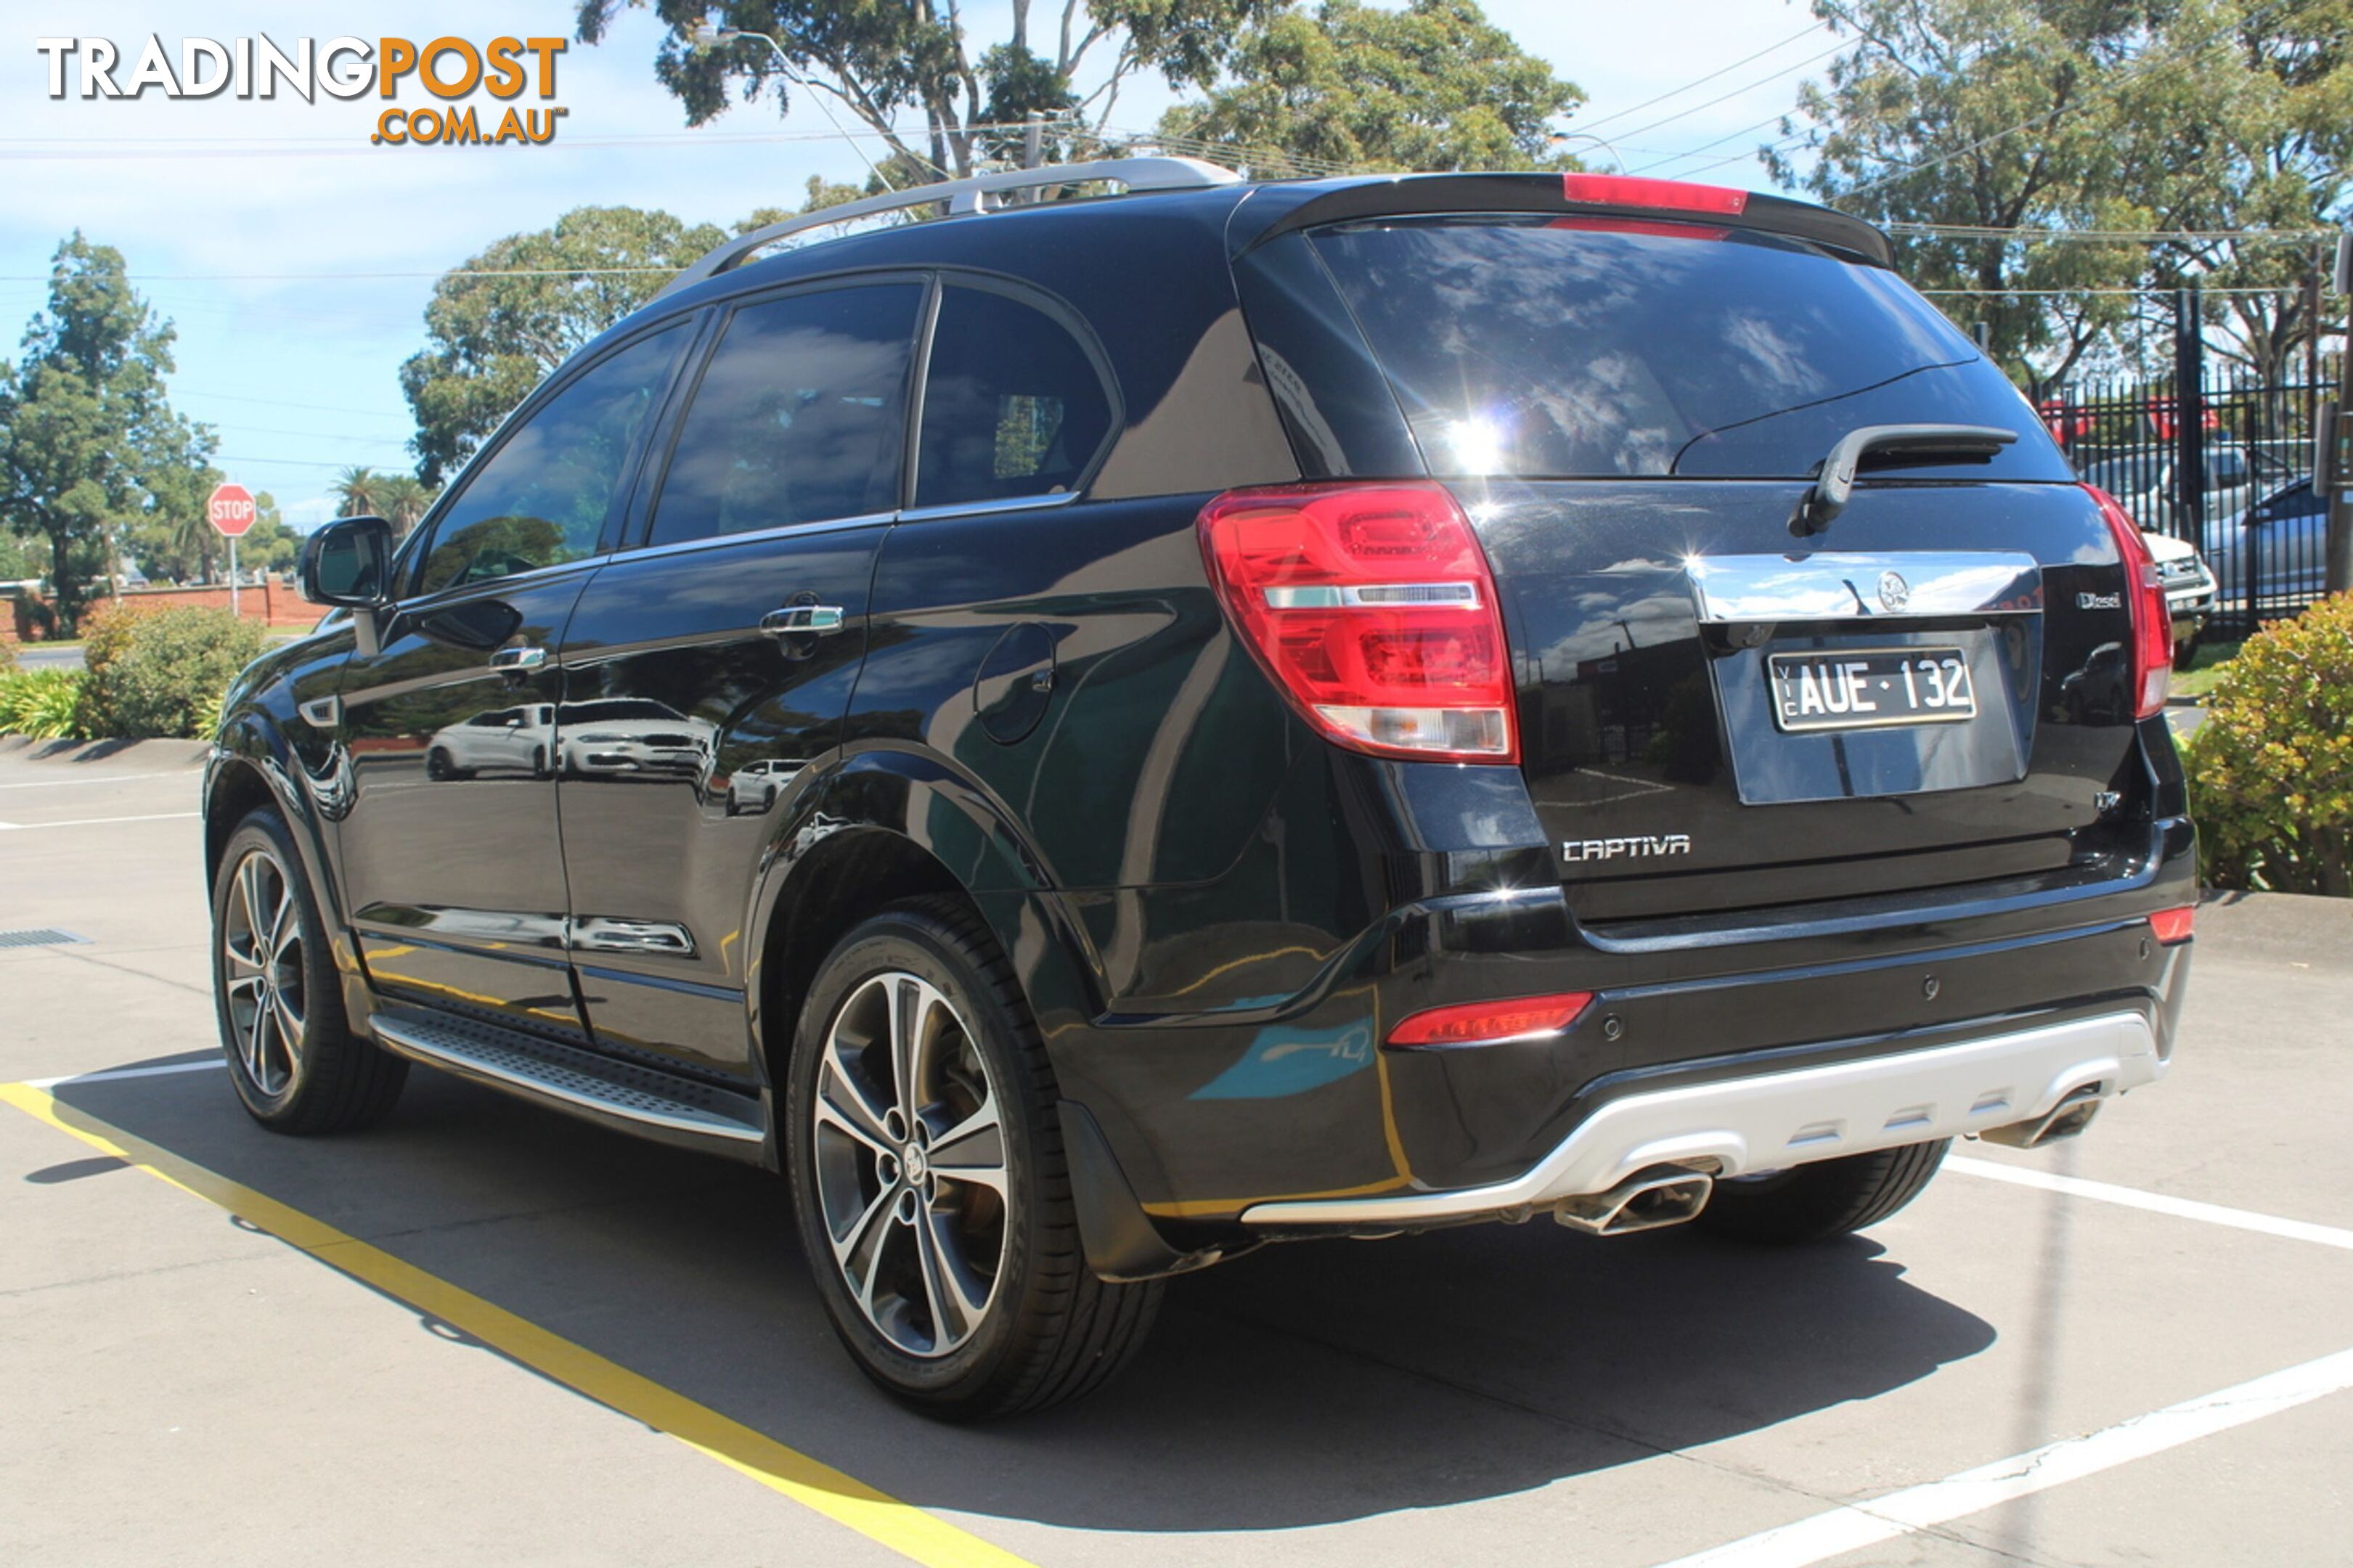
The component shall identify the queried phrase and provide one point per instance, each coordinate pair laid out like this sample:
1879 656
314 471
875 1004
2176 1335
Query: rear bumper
1770 1121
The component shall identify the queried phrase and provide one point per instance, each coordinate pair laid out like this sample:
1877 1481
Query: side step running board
642 1099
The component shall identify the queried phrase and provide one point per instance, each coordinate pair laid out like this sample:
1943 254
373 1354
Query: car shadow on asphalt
1303 1384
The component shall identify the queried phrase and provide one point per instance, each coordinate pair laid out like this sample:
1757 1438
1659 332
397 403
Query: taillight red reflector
1373 609
2152 622
2171 926
1664 195
1487 1023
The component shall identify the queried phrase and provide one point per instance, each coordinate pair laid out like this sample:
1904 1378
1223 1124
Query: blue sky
295 258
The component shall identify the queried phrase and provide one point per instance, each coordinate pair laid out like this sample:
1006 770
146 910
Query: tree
1353 86
269 545
2043 115
1919 124
882 59
87 443
498 325
359 491
403 500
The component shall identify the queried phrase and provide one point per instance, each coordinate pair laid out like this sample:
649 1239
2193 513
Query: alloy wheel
261 971
910 1162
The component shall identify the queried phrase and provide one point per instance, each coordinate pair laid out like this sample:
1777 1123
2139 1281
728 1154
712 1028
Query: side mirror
348 561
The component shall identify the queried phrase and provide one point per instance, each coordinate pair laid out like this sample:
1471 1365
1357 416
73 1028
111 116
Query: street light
710 35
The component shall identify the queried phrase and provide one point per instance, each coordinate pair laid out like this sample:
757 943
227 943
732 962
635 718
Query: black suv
1092 735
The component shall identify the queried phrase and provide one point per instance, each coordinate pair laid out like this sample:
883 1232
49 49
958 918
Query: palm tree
359 492
402 499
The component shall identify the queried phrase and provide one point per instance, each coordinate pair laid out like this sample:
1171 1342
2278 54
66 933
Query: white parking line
111 1074
95 779
96 821
2157 1203
1855 1527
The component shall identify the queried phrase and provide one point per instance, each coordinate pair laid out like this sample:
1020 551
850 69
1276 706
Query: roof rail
967 195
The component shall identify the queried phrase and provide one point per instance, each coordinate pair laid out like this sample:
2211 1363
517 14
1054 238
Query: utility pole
2339 578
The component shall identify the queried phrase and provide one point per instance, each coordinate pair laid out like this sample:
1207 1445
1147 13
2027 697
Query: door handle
793 619
518 659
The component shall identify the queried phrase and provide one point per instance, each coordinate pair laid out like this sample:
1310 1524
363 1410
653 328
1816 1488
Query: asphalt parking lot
483 1332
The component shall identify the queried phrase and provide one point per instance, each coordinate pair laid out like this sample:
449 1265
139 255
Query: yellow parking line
902 1527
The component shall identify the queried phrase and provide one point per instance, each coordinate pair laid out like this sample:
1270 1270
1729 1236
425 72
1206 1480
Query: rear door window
1575 348
798 418
1013 405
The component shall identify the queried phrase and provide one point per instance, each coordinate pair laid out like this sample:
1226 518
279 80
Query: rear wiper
1891 446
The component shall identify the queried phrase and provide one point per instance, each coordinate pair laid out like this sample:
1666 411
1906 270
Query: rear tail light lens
2172 926
1373 609
1490 1022
2152 622
1660 195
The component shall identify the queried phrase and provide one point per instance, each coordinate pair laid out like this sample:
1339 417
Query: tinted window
797 416
1568 348
543 498
1012 405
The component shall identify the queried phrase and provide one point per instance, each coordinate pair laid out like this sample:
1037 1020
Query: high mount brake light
1660 195
1373 609
2152 621
1490 1023
2172 926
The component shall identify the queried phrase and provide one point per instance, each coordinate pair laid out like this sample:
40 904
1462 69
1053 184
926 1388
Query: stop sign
231 509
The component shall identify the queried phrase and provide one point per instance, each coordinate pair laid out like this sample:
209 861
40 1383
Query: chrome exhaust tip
1661 1196
2070 1116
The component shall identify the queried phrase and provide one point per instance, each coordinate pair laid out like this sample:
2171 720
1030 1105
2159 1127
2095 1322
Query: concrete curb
188 754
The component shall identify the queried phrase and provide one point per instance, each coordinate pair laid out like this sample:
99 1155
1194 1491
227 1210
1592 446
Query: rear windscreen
1551 347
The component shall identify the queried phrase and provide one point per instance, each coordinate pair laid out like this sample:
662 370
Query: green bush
160 672
2271 769
40 703
7 651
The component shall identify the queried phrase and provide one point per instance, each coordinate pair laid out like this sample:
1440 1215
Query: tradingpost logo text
451 69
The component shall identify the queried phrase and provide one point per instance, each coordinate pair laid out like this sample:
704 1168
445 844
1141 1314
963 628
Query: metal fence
2233 478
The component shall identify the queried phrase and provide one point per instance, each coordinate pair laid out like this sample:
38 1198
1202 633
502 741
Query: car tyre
292 1057
1817 1202
2185 652
438 766
911 1205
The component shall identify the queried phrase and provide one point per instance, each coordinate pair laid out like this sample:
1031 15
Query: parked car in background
2277 548
510 739
2144 482
2189 591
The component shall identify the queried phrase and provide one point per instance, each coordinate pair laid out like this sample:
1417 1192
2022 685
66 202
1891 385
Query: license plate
1869 689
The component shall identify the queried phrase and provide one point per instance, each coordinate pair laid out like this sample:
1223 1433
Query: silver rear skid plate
2026 1087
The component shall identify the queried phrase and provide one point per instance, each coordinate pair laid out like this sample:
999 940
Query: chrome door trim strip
988 508
1841 585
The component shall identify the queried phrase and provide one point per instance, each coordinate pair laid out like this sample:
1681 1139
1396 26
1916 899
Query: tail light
2172 926
1373 609
2152 622
1660 195
1491 1023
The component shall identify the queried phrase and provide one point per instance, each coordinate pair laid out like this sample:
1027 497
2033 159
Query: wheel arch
872 837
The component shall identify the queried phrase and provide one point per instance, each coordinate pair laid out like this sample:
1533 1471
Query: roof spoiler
1559 194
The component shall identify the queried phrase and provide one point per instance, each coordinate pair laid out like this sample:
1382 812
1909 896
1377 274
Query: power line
283 403
1701 81
1773 119
2116 236
1738 91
